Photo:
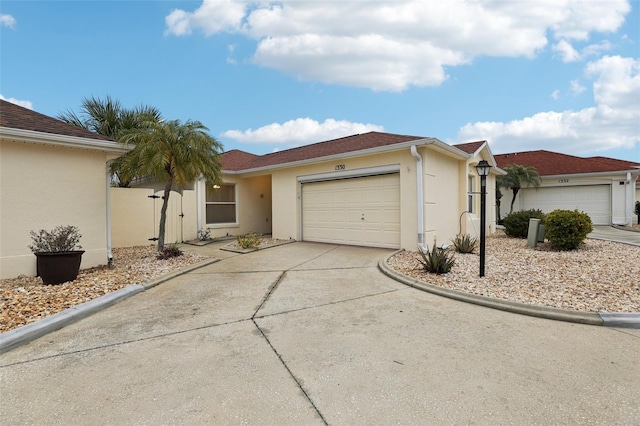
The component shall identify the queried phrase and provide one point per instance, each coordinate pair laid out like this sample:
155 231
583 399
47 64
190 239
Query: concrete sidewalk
315 334
617 235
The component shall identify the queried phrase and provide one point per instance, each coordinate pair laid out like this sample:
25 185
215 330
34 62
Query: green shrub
464 243
249 241
60 239
437 261
516 224
172 250
204 234
567 229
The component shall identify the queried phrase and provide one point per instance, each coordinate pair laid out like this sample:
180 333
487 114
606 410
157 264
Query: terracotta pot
60 267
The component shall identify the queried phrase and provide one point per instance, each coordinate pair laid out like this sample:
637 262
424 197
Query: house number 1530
340 167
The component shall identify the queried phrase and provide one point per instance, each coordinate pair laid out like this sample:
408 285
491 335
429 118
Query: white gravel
600 276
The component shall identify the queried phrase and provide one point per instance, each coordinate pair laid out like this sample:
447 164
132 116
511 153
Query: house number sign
563 180
340 167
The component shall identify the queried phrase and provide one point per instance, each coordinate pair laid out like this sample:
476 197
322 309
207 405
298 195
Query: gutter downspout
420 196
108 182
199 204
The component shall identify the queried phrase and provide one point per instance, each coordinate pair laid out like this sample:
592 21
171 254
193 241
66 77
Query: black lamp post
483 168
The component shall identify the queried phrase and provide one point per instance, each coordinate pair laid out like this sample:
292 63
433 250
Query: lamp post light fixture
483 169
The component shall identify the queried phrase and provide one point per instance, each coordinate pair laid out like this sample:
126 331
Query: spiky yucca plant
465 243
437 260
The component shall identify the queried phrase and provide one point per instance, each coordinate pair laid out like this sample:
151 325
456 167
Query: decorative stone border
610 319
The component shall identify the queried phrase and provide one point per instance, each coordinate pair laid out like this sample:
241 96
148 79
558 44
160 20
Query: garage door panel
358 211
591 199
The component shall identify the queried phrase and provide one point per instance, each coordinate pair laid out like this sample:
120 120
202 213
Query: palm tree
109 118
174 153
517 176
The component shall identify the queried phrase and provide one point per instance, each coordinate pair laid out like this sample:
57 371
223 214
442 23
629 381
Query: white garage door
591 199
361 211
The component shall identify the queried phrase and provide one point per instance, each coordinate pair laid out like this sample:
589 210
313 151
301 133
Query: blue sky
561 75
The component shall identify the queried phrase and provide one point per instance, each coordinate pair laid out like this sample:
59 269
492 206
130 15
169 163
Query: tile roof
553 163
470 147
236 160
16 117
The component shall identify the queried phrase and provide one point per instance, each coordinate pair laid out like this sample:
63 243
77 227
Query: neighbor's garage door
361 211
591 199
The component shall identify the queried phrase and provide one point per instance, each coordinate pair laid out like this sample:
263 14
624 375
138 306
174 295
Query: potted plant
58 254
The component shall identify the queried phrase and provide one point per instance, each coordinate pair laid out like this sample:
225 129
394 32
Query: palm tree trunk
515 192
163 213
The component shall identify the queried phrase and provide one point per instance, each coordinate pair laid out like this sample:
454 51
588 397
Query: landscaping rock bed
600 276
26 299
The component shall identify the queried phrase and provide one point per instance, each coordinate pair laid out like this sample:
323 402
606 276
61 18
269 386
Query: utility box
541 233
535 234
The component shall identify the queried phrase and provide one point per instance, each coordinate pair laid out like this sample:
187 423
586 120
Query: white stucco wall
617 192
42 187
253 206
441 187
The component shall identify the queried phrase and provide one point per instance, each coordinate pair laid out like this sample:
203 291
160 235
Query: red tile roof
16 117
553 163
236 160
470 147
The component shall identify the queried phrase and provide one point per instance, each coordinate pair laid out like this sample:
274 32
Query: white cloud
7 21
392 45
566 50
555 94
614 121
300 131
213 16
569 54
26 104
576 88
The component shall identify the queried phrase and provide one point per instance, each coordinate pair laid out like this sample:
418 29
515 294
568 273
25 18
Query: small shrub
567 229
464 243
249 241
437 260
172 250
204 234
60 239
516 224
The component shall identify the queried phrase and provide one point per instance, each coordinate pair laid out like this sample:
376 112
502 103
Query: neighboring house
604 188
373 189
51 173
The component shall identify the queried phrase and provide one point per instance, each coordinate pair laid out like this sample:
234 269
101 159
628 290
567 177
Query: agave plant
464 243
437 260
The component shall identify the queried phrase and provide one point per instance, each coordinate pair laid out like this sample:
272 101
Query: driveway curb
626 320
29 332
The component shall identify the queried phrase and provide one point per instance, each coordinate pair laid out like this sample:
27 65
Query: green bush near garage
567 229
516 224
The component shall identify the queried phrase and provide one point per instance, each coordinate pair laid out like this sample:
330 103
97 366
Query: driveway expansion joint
126 342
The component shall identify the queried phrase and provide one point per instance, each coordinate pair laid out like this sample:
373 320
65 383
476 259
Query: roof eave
43 138
448 149
591 174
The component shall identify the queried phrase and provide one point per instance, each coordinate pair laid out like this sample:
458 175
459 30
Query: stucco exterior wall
253 206
42 187
441 186
469 222
617 191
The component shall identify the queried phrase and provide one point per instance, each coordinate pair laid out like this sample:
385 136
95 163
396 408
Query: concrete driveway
306 334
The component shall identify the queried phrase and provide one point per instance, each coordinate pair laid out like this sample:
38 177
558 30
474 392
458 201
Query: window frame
234 203
471 183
